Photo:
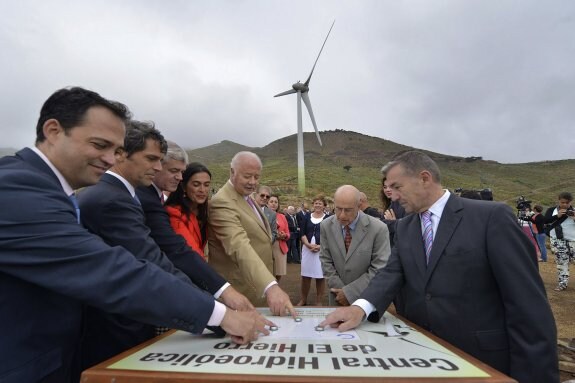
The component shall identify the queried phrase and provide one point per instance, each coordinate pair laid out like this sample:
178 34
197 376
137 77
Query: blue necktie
427 233
137 200
76 206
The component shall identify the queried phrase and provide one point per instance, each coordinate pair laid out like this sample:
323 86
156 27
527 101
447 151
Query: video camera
522 204
485 194
570 212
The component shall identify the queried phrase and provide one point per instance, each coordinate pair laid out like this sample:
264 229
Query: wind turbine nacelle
300 87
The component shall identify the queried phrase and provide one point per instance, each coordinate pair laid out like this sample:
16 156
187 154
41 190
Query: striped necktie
427 233
347 238
76 206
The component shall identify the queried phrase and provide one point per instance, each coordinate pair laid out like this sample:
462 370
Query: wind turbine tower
302 91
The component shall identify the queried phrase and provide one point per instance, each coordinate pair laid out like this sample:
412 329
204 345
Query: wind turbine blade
307 103
309 78
286 92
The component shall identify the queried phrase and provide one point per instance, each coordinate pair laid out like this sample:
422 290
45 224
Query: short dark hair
566 195
538 208
414 162
137 132
69 107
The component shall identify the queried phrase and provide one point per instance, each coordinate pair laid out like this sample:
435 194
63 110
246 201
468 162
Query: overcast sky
490 78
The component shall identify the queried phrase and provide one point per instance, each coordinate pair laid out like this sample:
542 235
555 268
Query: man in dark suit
50 265
173 245
472 280
293 255
112 210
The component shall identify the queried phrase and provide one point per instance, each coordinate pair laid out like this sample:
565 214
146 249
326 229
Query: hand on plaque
235 300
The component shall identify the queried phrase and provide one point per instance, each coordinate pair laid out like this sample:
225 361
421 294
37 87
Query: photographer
561 222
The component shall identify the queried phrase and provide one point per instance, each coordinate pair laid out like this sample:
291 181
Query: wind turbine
302 92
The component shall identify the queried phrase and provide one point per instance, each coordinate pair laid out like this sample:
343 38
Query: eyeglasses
264 196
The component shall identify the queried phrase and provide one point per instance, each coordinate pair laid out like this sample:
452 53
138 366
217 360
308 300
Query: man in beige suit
240 239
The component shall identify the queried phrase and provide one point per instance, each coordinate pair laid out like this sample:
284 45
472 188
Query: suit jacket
352 270
50 265
480 292
300 217
109 211
240 244
292 224
372 211
272 221
174 245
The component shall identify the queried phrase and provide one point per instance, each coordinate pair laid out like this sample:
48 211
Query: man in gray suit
468 275
262 196
348 271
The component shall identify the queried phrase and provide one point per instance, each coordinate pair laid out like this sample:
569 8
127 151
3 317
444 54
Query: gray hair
414 162
176 153
243 155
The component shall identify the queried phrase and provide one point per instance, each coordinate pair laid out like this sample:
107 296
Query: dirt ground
562 303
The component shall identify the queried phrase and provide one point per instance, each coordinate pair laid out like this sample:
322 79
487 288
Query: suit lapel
116 183
450 219
336 233
244 206
33 159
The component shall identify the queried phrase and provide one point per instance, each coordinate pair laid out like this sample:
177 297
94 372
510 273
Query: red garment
188 227
282 226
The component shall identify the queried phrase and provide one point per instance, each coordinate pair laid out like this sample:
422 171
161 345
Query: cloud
473 78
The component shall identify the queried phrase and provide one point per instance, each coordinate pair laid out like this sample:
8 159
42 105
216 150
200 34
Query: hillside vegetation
365 155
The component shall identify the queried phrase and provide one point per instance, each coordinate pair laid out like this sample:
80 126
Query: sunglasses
264 196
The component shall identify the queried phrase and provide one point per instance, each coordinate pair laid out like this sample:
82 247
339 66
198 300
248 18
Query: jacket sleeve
43 245
175 246
120 222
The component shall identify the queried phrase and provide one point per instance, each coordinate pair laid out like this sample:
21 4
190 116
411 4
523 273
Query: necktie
137 200
347 238
76 206
427 233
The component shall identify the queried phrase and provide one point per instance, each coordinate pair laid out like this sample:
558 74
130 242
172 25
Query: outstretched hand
344 318
279 302
245 326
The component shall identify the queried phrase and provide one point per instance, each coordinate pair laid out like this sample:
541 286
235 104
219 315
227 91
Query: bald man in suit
348 271
468 274
240 238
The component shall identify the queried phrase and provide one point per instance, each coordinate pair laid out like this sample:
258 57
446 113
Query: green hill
365 155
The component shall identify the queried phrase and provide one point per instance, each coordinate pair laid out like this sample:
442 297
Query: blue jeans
541 238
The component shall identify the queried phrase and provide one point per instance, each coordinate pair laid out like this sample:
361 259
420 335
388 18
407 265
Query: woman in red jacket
280 246
188 206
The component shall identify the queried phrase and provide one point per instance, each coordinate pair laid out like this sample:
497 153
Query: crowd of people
109 236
